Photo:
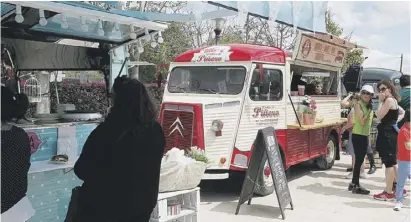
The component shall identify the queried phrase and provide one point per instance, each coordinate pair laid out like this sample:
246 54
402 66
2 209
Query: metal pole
402 57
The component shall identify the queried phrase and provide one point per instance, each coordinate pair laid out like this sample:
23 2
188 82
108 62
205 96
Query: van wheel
265 183
327 161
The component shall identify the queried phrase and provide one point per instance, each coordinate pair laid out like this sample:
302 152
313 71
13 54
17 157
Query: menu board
311 49
266 143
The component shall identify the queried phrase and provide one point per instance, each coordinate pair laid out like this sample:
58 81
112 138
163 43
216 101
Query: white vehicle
218 97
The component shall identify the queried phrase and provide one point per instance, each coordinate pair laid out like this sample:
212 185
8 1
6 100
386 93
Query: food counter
318 125
50 184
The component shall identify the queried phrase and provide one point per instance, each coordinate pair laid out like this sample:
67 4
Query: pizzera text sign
266 143
314 50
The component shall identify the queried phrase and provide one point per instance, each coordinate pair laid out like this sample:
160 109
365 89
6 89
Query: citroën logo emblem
178 126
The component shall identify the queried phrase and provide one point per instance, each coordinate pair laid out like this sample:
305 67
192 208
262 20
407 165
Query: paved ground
318 196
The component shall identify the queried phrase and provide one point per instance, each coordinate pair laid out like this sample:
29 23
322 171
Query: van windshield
207 79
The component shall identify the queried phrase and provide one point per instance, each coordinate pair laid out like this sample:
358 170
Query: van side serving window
271 88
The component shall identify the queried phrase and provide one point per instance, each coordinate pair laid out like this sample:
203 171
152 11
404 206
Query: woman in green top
363 115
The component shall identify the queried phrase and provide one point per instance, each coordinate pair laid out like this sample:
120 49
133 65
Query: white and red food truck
218 97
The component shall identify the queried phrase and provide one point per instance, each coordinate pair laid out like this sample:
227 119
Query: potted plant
310 112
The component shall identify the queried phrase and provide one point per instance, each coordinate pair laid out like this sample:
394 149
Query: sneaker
363 175
384 196
351 186
360 190
372 170
398 206
349 176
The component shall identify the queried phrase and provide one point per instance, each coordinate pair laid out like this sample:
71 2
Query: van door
264 104
352 78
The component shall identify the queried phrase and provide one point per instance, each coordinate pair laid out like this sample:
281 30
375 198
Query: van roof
379 74
234 53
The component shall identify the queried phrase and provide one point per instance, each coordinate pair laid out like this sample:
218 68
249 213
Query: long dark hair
391 87
132 104
13 105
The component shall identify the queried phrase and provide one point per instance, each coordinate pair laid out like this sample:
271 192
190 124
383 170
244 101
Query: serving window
315 82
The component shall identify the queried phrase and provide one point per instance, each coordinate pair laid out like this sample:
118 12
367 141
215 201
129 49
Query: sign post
266 144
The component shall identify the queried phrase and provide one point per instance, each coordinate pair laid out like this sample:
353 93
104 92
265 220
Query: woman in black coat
121 159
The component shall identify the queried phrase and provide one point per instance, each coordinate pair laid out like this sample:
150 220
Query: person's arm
86 165
350 121
401 113
384 108
346 101
359 113
153 158
24 153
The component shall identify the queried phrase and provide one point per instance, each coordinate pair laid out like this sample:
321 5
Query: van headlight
217 125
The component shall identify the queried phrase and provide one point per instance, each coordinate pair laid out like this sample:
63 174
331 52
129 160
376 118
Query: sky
381 26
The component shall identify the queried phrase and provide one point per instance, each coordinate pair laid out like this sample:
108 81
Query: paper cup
301 90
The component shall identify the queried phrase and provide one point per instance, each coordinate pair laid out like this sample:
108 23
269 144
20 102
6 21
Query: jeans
403 173
360 143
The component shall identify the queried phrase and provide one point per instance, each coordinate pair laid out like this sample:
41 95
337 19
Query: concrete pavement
318 196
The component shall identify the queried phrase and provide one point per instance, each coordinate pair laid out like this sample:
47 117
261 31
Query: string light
160 38
133 35
43 20
140 47
153 42
19 18
147 36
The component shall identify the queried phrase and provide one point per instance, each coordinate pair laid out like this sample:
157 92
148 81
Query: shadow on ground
230 189
256 210
344 184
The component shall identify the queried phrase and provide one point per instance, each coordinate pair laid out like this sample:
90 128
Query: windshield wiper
208 90
179 88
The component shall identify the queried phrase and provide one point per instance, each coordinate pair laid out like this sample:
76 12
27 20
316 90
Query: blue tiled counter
49 186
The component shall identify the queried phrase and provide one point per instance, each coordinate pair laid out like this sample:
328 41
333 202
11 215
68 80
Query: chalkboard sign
266 143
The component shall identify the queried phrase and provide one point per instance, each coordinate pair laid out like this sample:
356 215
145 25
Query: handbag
74 204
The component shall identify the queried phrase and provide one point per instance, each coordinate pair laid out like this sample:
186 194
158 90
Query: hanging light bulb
147 36
19 18
84 26
64 24
133 35
43 20
153 41
160 38
100 28
140 47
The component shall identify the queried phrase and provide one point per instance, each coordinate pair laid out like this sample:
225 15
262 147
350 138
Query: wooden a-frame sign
266 143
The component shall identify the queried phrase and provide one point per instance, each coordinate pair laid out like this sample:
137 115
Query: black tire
261 189
322 162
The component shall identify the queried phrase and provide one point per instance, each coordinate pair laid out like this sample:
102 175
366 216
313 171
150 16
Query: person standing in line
363 115
121 159
405 94
349 102
389 113
403 160
15 160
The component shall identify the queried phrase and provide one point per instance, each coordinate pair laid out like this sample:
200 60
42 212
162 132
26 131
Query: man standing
405 95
